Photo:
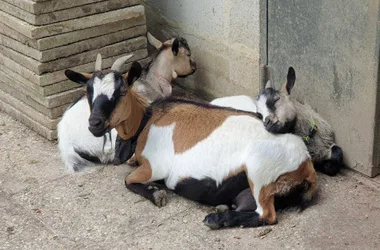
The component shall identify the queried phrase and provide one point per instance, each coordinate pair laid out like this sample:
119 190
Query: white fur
239 141
73 133
241 102
105 86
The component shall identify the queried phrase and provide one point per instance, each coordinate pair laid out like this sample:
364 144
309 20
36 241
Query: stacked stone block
39 39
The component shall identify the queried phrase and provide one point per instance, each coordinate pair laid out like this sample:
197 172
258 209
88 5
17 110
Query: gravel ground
44 207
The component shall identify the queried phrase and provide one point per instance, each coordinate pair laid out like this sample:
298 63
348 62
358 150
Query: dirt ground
44 207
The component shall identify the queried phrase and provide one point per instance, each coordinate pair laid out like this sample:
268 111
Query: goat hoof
221 208
215 221
160 198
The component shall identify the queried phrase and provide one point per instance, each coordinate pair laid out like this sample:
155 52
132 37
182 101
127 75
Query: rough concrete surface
36 32
43 207
65 14
223 37
39 68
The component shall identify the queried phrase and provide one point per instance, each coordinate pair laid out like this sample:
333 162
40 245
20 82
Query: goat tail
310 186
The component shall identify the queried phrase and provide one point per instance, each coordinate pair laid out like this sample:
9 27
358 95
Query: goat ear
175 47
133 74
80 78
269 85
290 80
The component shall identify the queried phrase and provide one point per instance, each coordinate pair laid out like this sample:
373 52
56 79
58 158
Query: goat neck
160 74
130 116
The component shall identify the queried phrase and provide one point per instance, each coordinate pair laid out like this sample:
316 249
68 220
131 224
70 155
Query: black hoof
215 221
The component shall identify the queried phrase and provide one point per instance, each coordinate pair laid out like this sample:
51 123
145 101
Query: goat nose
95 122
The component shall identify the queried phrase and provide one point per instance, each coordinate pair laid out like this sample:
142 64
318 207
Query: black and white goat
282 114
79 148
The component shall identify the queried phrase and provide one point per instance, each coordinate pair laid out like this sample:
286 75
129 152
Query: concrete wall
224 38
334 47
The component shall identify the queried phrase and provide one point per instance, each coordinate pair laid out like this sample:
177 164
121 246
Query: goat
78 147
207 154
282 114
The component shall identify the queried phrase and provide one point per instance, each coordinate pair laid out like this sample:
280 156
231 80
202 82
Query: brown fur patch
128 114
287 181
193 123
266 200
141 175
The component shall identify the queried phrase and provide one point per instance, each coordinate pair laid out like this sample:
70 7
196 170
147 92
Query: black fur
233 219
175 47
145 190
278 128
76 77
247 217
332 166
134 72
207 192
124 149
291 79
87 157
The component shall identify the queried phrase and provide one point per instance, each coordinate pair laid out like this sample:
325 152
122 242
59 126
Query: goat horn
116 66
153 41
98 63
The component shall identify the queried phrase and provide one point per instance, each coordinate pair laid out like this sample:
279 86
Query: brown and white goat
282 114
210 154
79 148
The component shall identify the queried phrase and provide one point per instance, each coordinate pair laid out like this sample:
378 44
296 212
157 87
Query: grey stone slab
52 113
9 32
44 91
65 14
74 60
36 32
127 46
71 37
28 111
39 7
59 76
74 48
49 101
16 114
92 43
92 32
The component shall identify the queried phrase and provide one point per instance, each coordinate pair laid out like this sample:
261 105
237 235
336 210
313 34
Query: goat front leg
135 182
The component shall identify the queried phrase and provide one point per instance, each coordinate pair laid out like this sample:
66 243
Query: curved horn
98 63
116 66
153 41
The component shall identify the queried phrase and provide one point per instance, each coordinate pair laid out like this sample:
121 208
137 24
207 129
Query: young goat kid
79 148
210 154
282 114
